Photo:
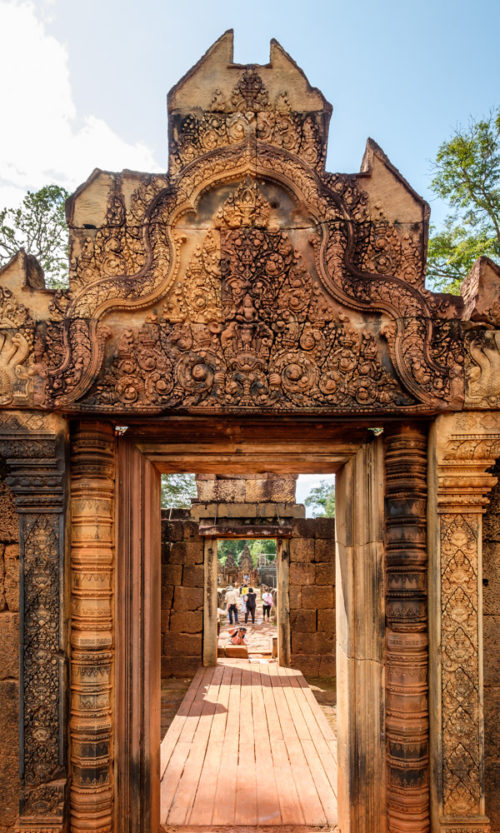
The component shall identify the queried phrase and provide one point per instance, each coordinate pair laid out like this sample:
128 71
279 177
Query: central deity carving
248 327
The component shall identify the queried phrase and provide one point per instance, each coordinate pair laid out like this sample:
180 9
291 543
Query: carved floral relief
462 754
247 328
312 302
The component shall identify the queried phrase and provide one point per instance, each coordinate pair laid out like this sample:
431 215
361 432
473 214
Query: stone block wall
9 661
246 488
312 596
181 594
491 631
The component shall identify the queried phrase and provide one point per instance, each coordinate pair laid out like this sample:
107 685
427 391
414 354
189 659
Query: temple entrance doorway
247 576
358 460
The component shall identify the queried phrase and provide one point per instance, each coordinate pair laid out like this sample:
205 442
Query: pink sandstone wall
491 629
9 660
181 595
312 596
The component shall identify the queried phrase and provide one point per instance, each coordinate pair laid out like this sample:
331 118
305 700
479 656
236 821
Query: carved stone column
462 449
32 449
92 561
406 631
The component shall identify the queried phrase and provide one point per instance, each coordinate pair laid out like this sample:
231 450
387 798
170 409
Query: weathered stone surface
303 621
301 574
318 597
491 577
316 643
324 550
9 646
167 598
309 665
9 746
186 621
327 665
171 531
11 567
193 553
295 596
324 528
188 598
9 525
305 528
177 554
181 645
491 626
325 574
302 550
192 577
493 795
179 666
190 531
171 574
326 620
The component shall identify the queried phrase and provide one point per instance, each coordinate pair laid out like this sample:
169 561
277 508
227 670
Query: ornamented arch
249 285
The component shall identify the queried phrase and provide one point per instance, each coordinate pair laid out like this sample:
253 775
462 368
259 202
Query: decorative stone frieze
92 553
407 714
463 449
32 450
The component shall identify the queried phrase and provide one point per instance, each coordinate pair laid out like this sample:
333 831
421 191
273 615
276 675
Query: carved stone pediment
247 278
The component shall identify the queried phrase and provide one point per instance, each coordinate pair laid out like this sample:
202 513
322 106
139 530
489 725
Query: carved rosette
92 517
464 448
407 714
32 449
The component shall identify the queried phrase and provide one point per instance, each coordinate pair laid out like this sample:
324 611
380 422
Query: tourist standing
251 601
231 599
267 603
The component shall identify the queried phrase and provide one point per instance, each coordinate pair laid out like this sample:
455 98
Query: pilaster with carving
32 449
92 552
463 448
406 664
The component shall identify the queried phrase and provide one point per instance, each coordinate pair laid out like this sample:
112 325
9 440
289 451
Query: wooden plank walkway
249 748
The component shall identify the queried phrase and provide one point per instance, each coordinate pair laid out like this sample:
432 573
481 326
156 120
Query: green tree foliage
321 500
236 546
467 174
39 227
177 490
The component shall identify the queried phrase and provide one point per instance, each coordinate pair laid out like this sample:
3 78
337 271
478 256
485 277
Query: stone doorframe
382 642
210 639
462 451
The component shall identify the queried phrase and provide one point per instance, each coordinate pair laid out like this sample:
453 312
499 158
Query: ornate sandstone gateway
247 311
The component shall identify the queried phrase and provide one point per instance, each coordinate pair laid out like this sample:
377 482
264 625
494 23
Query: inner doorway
247 597
142 459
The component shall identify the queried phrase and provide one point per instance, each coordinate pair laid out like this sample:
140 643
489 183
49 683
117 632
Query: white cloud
306 483
43 138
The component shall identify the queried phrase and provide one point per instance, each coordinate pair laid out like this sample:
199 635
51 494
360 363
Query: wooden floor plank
203 805
268 804
320 718
326 750
248 748
175 728
246 786
225 792
312 807
185 795
290 809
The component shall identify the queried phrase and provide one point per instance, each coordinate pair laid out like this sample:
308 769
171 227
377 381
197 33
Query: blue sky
402 72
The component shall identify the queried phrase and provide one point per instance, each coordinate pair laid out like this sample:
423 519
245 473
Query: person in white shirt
267 603
231 599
